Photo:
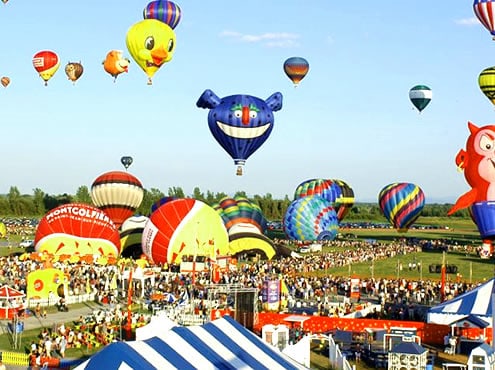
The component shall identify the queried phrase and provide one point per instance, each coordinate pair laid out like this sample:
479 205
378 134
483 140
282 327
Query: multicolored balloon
296 68
338 192
77 229
74 70
46 63
131 232
5 81
401 203
117 193
151 44
311 218
115 64
184 227
126 161
486 82
485 12
420 96
239 214
240 123
165 11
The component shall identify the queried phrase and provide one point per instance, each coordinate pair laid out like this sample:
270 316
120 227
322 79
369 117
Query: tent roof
411 348
8 292
220 344
475 302
474 320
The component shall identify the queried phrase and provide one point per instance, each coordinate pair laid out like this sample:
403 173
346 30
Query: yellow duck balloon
151 44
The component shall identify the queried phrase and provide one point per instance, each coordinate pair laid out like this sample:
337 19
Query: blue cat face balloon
240 123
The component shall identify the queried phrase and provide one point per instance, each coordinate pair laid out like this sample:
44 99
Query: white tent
219 344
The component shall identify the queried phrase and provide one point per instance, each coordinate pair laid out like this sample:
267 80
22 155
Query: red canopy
7 292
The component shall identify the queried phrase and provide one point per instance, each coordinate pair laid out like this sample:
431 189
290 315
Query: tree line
37 204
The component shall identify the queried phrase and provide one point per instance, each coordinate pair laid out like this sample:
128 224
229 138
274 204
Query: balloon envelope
240 123
77 229
184 227
117 193
126 161
296 68
131 232
74 70
46 63
401 204
115 64
486 82
485 11
165 11
420 96
240 211
311 218
5 81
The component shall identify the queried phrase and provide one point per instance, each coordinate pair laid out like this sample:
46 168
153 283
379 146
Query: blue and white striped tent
476 302
220 344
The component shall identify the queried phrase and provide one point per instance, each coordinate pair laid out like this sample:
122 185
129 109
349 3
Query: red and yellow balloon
46 63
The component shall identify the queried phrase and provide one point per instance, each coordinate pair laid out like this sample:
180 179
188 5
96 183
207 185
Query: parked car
26 243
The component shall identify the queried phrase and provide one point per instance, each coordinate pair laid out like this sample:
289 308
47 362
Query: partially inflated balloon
161 201
401 204
296 68
118 193
420 96
5 81
77 229
131 232
46 63
184 227
311 218
74 70
151 44
240 211
165 11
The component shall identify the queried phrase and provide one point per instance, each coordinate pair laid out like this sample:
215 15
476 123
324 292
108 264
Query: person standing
2 366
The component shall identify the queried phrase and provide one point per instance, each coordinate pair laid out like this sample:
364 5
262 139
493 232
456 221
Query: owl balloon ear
208 100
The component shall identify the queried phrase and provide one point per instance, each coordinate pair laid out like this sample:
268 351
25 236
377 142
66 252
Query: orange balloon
5 81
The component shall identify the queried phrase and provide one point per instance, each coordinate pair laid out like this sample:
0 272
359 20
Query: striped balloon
240 211
486 82
401 203
485 10
296 68
165 11
117 193
420 96
311 218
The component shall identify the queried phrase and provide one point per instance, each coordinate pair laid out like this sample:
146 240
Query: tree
150 197
198 195
13 198
39 205
176 192
83 195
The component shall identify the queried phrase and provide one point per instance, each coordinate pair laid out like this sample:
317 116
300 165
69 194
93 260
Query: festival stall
11 301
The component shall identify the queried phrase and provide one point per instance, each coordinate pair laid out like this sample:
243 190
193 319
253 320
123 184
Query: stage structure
235 300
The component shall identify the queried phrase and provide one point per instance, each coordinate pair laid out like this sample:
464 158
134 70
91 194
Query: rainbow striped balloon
401 203
165 11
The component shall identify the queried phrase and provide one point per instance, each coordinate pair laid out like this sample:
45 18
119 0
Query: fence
15 358
337 359
71 299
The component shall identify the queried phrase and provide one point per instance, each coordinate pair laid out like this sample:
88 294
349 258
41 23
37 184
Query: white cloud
281 39
467 21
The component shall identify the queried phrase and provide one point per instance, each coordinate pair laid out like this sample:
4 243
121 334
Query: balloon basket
484 217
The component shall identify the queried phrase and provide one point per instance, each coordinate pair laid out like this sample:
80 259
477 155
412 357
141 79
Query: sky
350 118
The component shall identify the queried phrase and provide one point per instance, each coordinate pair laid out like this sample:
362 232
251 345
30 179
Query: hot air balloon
115 63
77 229
484 11
5 81
240 123
338 192
151 44
165 11
401 204
46 63
311 218
5 1
74 70
486 82
420 96
161 201
131 232
117 193
184 227
296 68
126 161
